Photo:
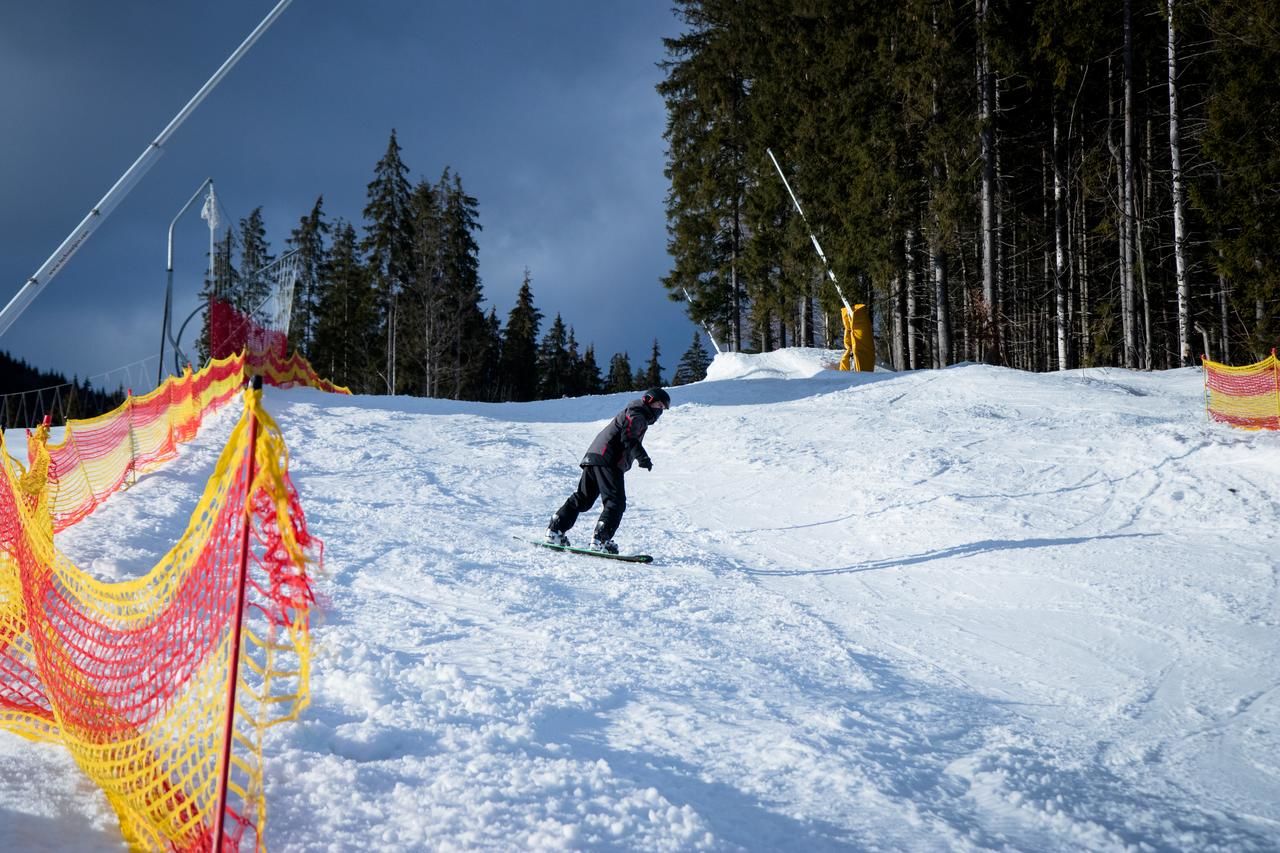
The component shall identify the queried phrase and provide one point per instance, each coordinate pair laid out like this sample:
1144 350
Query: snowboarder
607 459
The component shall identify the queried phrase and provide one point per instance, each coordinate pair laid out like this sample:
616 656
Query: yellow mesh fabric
1247 397
99 455
133 676
290 372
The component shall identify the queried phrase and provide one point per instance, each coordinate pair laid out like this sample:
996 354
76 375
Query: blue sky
546 108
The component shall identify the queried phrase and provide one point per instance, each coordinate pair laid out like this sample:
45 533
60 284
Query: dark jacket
620 443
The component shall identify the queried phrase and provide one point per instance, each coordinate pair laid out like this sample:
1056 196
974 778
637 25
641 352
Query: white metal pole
29 291
705 327
831 275
168 288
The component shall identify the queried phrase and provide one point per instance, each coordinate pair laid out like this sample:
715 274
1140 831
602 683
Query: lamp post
168 288
81 233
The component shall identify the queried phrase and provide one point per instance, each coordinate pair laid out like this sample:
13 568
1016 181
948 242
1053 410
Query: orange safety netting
232 331
263 346
97 456
134 676
1246 397
290 372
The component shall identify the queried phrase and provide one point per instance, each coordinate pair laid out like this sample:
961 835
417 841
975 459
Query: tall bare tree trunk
900 315
391 345
1059 245
1082 253
1128 292
1224 309
735 303
997 309
938 263
1179 227
913 308
806 321
935 240
1048 266
1145 348
990 337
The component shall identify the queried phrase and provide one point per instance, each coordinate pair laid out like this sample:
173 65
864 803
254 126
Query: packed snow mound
792 363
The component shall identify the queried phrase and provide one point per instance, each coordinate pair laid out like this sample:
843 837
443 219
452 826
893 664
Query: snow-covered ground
945 610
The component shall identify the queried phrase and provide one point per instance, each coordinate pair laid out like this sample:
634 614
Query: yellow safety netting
1247 397
97 456
134 676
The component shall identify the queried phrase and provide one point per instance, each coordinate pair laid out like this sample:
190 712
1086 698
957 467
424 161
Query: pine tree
346 349
255 256
652 375
1243 124
441 327
422 342
574 386
220 283
693 364
485 383
518 365
464 321
705 90
309 240
555 368
589 381
388 245
619 378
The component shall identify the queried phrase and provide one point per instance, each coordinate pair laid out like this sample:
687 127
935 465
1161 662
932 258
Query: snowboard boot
555 537
608 546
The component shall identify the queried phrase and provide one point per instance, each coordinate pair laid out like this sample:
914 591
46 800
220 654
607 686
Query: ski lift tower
81 233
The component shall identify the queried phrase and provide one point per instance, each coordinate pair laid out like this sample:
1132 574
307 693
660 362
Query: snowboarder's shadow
967 550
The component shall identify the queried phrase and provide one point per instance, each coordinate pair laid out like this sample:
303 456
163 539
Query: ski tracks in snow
950 610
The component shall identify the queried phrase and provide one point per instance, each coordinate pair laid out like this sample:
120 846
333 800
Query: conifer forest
1043 185
394 305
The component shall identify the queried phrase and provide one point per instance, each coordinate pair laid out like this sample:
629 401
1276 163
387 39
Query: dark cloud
546 109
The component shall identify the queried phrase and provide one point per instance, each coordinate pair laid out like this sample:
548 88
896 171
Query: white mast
831 275
29 291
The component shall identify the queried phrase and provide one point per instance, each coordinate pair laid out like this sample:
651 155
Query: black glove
645 463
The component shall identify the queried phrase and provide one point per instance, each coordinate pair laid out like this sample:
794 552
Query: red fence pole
219 828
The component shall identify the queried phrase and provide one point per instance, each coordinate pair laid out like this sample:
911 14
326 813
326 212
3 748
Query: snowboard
626 558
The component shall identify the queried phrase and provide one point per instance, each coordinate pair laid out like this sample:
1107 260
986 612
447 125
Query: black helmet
657 395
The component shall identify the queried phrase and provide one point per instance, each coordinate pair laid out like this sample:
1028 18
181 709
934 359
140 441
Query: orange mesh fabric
133 677
292 372
97 456
1246 397
263 348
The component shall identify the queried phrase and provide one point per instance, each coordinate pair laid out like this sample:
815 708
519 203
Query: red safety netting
295 371
1247 397
98 455
136 678
133 677
231 331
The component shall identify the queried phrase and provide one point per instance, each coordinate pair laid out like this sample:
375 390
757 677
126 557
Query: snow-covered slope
943 610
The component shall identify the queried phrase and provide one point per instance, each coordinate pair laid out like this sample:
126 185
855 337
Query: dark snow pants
604 482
